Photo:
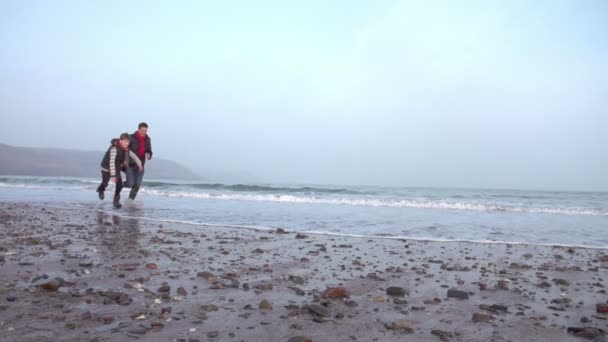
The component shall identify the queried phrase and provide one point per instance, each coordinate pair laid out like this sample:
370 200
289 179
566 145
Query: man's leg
138 179
105 178
131 174
117 204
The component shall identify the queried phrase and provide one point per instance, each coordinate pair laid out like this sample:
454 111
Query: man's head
142 129
124 139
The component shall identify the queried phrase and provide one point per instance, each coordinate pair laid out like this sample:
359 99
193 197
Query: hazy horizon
503 95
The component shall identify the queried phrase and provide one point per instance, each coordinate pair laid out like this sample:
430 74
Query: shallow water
536 217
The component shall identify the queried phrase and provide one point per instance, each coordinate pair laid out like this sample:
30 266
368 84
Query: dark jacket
134 146
119 156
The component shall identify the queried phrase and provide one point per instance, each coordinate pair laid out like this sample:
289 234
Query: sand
86 275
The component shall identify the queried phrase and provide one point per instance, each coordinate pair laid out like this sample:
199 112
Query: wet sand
86 275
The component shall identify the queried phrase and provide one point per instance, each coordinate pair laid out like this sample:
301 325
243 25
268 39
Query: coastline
123 278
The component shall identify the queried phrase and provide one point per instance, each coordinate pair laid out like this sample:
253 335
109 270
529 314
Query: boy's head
142 128
124 139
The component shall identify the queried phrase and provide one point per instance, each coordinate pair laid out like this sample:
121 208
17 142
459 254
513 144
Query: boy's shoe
101 196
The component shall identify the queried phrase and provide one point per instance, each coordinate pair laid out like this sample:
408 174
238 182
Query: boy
117 155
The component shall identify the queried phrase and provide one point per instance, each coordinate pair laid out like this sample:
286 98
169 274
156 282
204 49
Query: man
141 145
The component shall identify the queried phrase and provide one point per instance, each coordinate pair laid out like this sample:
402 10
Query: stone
586 332
601 308
319 310
335 292
265 305
264 287
51 285
151 266
297 279
205 275
379 299
453 293
85 316
562 282
479 317
300 339
401 326
444 336
351 303
138 330
395 291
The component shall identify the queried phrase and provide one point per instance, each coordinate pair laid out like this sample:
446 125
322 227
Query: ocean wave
251 188
55 182
58 182
372 202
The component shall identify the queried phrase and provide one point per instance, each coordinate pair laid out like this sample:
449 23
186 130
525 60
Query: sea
441 214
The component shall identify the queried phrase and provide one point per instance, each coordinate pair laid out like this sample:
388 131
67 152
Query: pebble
601 308
138 330
586 332
151 266
265 305
51 285
164 288
300 339
479 317
335 292
319 310
444 336
264 287
395 291
182 291
453 293
402 326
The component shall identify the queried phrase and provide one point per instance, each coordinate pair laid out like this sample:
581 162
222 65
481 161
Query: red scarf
141 151
119 145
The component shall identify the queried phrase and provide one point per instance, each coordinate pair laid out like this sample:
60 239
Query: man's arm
149 148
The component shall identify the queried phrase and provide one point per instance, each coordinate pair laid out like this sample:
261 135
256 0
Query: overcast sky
508 94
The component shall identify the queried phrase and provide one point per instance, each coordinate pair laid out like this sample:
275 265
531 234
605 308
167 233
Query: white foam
371 202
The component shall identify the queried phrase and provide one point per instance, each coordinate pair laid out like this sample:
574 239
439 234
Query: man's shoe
133 193
117 204
101 196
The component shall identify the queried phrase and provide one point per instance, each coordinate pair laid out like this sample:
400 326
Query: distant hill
29 161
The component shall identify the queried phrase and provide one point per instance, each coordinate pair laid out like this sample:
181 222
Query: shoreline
114 278
313 232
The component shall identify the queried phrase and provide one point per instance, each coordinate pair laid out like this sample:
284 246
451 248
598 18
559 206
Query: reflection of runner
141 145
118 237
117 154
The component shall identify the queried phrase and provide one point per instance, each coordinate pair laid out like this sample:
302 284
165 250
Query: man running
141 145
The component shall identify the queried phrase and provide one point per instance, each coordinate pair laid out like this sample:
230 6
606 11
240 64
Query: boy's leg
117 204
105 178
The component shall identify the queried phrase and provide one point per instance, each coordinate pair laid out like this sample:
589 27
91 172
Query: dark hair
142 124
125 136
